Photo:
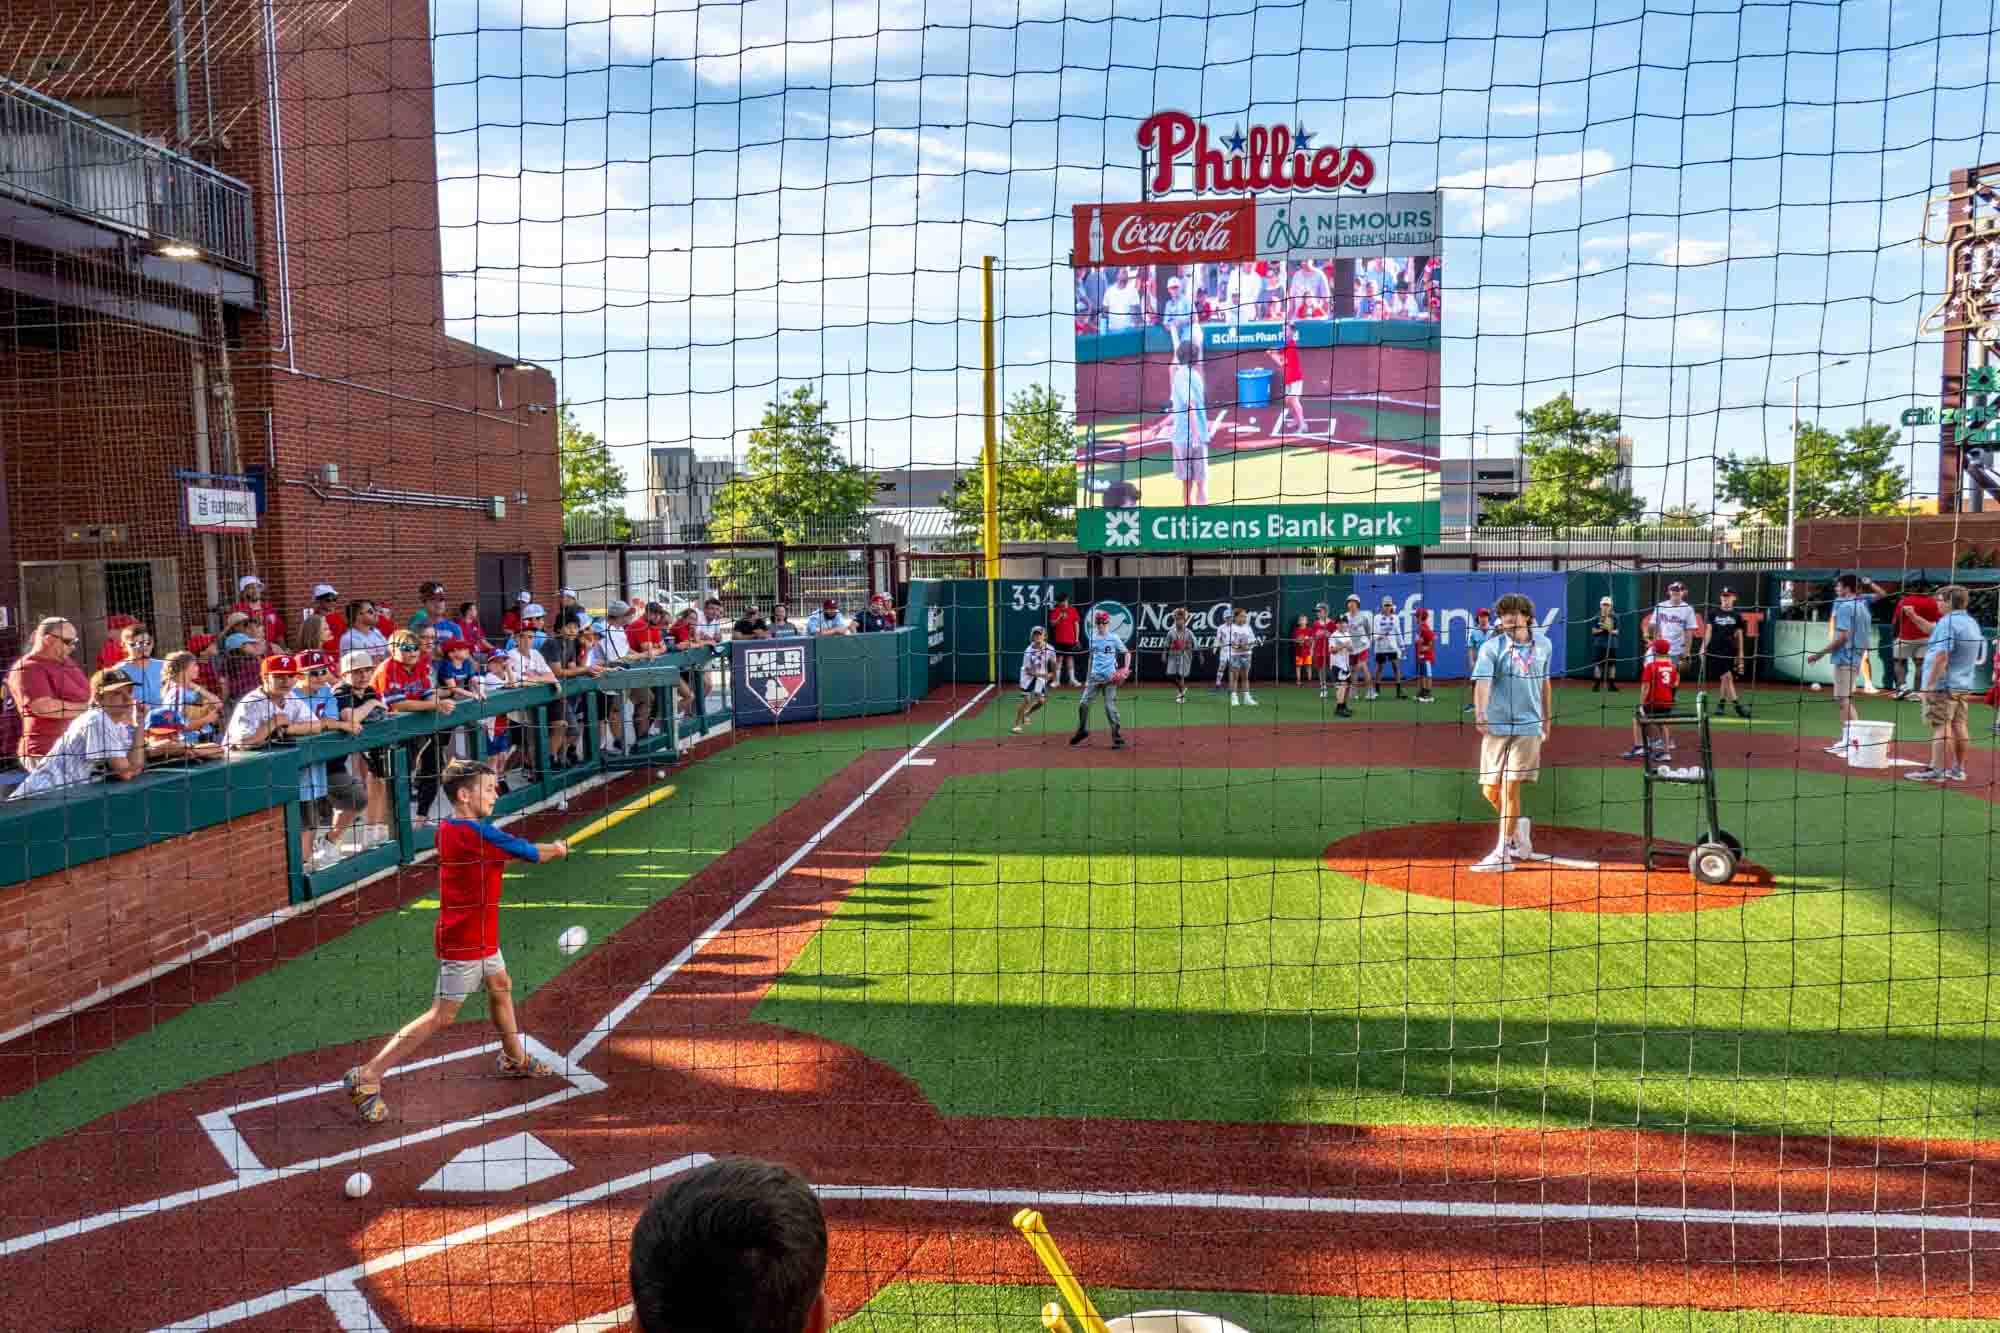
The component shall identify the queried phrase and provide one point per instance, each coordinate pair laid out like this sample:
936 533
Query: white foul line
590 1040
348 1279
247 1171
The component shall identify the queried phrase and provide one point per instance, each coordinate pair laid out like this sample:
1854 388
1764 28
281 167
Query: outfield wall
1781 636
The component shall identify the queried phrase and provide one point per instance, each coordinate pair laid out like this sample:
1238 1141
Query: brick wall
64 938
363 376
1921 541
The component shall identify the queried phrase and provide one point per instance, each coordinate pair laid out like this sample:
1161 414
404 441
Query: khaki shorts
1509 759
1908 649
460 978
1947 708
1843 681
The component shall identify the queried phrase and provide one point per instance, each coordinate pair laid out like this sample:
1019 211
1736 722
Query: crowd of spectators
347 663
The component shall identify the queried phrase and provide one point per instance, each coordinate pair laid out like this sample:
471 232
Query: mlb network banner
772 680
1452 600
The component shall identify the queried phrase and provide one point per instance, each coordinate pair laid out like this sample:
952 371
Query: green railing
44 835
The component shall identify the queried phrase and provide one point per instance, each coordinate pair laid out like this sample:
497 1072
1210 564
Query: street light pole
1792 469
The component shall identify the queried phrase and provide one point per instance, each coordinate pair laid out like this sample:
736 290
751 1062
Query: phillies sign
1270 157
1180 231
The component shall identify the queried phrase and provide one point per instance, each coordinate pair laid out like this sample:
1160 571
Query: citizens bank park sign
1278 225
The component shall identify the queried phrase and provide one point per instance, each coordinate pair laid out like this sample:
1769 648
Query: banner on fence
1452 600
1142 611
773 680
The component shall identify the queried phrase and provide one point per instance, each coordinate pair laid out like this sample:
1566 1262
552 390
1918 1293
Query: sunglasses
70 642
406 647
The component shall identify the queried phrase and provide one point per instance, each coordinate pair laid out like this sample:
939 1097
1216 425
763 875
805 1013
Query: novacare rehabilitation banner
1247 526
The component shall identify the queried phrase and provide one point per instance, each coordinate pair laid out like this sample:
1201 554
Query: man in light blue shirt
1850 639
1108 660
1951 660
1513 703
828 620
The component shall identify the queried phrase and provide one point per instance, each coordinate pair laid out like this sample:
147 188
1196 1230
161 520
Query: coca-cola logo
1269 157
1204 233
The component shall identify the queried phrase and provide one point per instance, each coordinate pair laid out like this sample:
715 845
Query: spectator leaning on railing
568 656
617 648
242 651
879 617
100 740
329 795
782 624
273 712
828 621
750 625
406 686
49 690
521 666
359 702
712 624
183 694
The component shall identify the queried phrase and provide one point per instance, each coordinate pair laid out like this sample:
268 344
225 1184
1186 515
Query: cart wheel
1712 863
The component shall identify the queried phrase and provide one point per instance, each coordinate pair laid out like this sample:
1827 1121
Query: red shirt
397 683
269 617
472 854
511 621
1294 371
337 623
639 636
1322 632
1660 679
1427 640
1927 607
45 678
1302 645
1064 623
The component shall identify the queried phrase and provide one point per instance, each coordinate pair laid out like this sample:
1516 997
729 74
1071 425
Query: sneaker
1612 687
1322 694
1372 695
1234 701
1181 698
1498 860
1117 741
1926 774
1427 698
1742 712
1080 737
1838 747
324 854
1954 775
1466 709
1250 699
1343 711
1016 730
1636 752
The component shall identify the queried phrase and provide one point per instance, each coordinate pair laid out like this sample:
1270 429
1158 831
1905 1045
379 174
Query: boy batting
1108 660
1513 705
471 854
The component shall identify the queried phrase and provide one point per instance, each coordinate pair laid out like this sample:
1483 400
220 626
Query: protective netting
1312 664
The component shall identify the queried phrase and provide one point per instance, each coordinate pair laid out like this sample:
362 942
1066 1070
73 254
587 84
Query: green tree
1683 516
593 485
796 484
1840 476
1572 458
1037 472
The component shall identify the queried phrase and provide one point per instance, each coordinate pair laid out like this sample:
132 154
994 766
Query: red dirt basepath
1606 871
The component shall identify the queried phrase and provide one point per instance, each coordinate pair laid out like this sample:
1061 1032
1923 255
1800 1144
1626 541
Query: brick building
227 266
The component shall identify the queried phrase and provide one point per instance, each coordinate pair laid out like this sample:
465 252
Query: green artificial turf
1152 943
377 976
939 1307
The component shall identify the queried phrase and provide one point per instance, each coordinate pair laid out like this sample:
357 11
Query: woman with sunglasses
407 684
50 690
146 670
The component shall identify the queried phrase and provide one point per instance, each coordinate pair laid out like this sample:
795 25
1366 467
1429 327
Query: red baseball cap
456 645
312 659
197 642
1482 611
829 605
1661 646
278 664
1102 615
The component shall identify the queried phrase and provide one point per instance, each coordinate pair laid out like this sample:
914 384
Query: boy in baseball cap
1108 664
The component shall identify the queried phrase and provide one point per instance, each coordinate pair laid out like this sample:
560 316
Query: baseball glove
1118 676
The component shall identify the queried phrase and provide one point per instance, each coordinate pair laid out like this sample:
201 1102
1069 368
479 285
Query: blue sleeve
1482 666
518 848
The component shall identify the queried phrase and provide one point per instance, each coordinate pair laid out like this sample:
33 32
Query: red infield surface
140 1221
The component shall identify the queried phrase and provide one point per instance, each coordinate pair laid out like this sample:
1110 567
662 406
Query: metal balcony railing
53 154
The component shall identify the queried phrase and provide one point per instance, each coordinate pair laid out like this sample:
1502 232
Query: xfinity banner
1143 611
1452 600
772 680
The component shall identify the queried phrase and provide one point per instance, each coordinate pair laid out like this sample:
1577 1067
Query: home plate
504 1164
922 763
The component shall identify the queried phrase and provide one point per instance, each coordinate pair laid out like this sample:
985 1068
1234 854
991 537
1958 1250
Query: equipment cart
1713 857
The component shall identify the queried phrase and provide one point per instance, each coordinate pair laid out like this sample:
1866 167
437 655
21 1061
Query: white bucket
1868 743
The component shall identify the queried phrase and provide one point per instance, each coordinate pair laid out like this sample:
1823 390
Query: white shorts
1509 759
460 978
1036 688
1843 680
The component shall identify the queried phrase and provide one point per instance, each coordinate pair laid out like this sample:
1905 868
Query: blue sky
685 208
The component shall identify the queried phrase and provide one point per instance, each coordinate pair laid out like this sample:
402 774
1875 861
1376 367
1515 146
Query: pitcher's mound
1596 870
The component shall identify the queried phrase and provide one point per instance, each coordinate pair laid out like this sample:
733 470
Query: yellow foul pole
990 466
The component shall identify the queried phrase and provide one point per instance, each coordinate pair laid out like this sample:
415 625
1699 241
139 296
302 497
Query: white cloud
1694 252
1638 240
1510 190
